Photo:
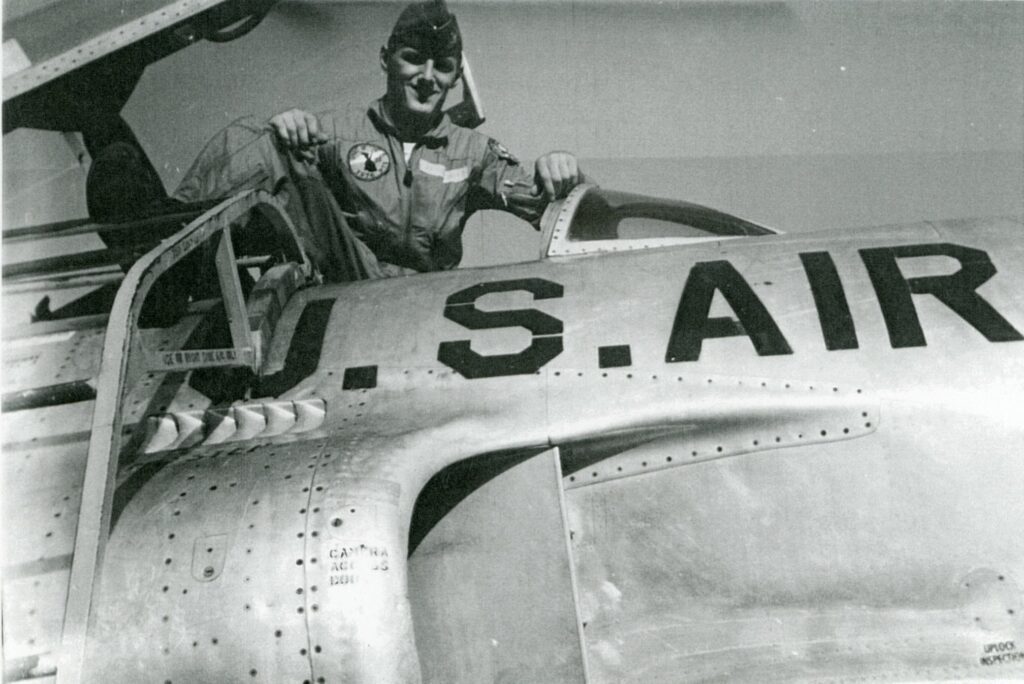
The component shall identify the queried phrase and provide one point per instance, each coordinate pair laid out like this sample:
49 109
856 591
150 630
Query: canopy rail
125 360
91 278
66 264
84 226
81 269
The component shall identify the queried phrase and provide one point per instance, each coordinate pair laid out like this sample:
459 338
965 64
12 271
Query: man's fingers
572 171
556 174
308 128
301 133
291 136
556 181
316 136
297 130
275 127
559 175
565 176
287 133
549 181
280 128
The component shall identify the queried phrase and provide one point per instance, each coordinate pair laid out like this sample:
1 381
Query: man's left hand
555 174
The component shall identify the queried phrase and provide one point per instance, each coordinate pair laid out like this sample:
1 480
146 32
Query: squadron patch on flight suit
368 162
502 152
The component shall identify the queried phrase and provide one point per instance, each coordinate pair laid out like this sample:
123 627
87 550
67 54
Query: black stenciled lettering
338 580
304 350
693 325
547 341
1002 658
830 300
957 291
999 647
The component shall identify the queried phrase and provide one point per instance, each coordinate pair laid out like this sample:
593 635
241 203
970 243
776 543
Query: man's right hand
299 132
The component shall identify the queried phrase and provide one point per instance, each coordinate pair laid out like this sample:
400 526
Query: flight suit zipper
408 181
402 172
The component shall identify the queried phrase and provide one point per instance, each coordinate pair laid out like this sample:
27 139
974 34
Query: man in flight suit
387 189
407 177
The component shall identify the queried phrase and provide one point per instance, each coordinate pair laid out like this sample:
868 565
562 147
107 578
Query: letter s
547 339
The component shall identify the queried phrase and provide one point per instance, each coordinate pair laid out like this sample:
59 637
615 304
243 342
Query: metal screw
208 571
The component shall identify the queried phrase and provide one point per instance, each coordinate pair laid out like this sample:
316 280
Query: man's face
418 79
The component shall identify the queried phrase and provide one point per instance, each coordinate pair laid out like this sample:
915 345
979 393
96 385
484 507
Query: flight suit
412 214
361 210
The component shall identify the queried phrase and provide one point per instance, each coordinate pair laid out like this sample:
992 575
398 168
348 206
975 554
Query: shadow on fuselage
452 485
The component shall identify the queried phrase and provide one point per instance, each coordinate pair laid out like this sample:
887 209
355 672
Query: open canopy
65 60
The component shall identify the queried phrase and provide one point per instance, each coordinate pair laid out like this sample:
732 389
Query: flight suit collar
435 137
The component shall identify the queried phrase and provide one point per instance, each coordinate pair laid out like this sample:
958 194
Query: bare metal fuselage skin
775 458
753 484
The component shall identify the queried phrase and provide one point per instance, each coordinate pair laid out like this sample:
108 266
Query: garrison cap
427 24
